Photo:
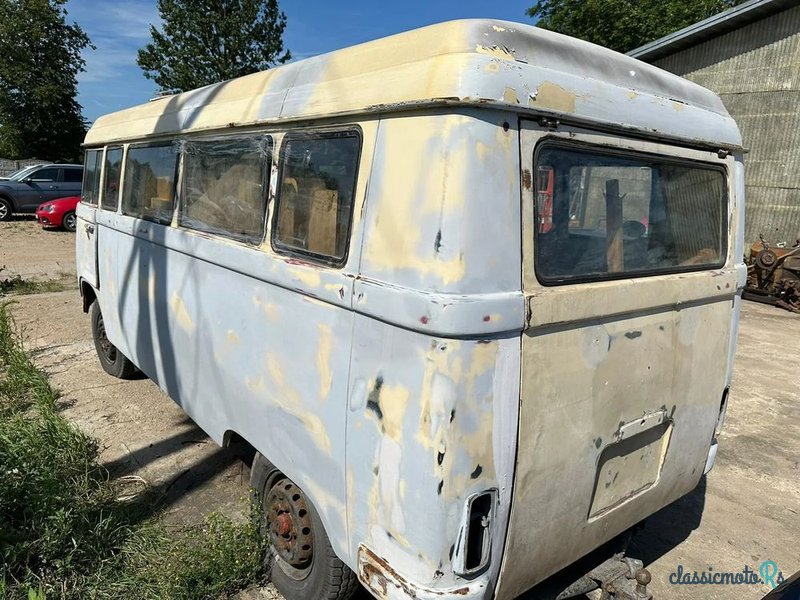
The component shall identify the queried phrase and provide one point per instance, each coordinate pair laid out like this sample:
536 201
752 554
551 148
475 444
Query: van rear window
604 215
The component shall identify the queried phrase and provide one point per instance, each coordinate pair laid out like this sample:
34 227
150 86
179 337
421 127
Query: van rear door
630 286
86 233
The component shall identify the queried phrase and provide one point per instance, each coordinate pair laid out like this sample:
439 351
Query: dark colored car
58 213
25 190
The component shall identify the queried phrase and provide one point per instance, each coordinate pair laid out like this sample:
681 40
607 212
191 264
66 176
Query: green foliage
208 41
40 58
623 25
66 533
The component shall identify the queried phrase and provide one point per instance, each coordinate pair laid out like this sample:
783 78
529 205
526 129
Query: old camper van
471 292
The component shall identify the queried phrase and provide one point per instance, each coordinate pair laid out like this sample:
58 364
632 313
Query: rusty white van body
471 398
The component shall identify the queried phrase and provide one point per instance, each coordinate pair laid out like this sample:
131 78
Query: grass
18 285
66 533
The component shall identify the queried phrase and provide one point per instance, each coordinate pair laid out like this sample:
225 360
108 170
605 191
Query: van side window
315 197
608 215
150 182
91 178
113 171
224 187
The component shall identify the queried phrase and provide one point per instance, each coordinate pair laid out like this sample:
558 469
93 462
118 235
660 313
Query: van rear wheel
300 560
112 360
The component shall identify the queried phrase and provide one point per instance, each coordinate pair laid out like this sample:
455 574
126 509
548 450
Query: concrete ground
745 512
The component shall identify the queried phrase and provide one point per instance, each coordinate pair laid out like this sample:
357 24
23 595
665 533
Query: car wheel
6 210
299 558
112 360
69 221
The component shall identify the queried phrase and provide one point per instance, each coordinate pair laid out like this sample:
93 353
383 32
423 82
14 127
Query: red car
58 213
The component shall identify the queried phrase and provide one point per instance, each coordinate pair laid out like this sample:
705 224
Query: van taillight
475 540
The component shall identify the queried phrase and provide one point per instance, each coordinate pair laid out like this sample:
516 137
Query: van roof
466 62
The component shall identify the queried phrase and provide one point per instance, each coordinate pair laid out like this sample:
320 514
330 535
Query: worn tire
6 209
69 222
327 578
112 360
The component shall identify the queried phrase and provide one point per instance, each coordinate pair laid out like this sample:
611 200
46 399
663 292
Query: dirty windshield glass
602 215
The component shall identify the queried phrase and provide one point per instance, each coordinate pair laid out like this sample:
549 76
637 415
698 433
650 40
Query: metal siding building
750 56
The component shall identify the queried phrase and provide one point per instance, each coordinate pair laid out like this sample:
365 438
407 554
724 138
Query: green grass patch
19 286
66 531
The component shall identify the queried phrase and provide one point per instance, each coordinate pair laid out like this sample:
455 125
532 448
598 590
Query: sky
113 80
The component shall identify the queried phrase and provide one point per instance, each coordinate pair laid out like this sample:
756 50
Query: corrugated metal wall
756 71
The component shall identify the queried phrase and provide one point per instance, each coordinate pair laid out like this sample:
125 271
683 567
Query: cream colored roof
472 62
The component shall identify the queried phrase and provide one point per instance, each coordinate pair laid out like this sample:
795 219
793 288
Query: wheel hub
289 524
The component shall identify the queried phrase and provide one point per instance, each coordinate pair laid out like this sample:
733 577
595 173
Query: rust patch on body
378 575
527 179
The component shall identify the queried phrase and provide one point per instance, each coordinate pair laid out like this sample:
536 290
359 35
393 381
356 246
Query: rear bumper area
380 578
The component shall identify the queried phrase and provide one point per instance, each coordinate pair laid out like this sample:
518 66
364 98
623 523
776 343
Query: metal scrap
773 275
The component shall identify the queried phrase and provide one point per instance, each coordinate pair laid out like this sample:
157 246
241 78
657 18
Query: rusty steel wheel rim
289 527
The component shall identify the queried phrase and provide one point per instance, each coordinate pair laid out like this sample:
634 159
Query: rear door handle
89 228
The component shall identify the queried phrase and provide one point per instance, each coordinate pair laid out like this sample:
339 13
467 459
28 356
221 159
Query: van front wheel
300 560
112 360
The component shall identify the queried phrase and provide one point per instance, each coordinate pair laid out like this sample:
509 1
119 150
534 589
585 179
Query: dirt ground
745 512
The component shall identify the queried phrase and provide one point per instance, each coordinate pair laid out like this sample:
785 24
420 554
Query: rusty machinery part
618 578
774 275
289 526
766 259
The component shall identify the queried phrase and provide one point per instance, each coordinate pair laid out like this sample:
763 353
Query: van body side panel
435 384
620 394
431 421
238 353
443 207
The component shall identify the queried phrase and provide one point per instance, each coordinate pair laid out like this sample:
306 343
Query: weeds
63 532
18 285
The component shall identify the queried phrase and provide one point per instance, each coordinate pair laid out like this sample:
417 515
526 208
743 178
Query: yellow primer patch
181 314
491 67
553 96
324 351
394 402
151 287
269 309
678 106
394 241
233 337
308 276
510 96
289 400
633 95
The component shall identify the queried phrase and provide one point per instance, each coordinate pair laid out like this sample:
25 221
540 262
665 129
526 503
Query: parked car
58 213
25 190
19 172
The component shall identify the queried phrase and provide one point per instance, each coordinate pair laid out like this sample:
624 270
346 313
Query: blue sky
113 80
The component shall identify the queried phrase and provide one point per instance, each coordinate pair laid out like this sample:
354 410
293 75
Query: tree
40 58
623 25
206 41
